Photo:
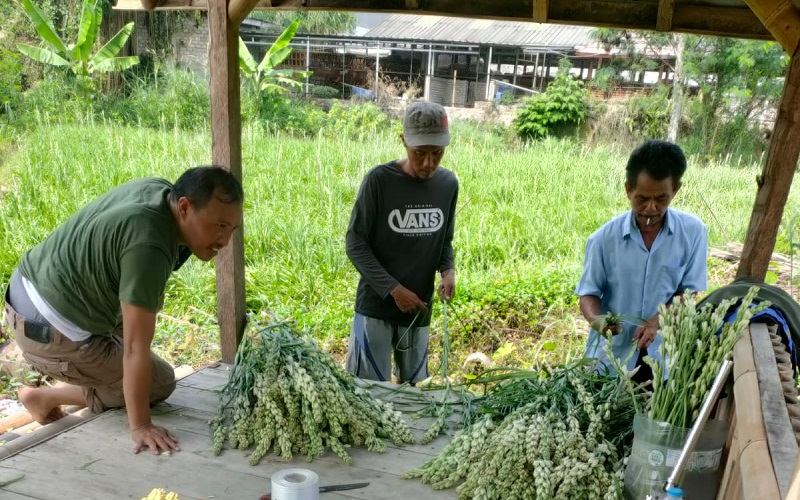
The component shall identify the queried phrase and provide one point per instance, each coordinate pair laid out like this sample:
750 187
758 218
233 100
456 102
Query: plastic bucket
655 451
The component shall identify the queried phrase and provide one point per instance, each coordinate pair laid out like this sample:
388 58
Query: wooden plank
92 459
758 478
722 21
194 399
540 9
775 181
10 495
781 19
780 435
715 20
210 380
666 8
226 150
239 9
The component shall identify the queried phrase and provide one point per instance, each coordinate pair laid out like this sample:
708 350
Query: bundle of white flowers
286 394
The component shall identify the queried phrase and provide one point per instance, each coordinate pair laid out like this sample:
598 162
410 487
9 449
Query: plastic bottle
674 493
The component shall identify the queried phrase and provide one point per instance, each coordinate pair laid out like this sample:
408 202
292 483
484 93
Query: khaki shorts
94 364
372 343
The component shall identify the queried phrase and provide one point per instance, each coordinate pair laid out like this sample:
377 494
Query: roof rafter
782 20
665 15
666 8
540 10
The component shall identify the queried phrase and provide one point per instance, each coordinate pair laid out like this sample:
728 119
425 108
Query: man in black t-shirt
400 234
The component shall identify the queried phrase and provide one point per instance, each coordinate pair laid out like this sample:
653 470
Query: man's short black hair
199 184
659 159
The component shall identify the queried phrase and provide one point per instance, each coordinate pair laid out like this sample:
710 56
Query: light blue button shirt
632 281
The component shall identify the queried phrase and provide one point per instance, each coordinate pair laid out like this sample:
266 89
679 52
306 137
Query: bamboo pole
46 432
758 477
14 421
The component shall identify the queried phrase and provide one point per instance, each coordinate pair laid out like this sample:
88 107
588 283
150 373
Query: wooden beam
665 10
704 20
540 8
775 181
780 435
239 9
781 18
226 150
758 478
721 21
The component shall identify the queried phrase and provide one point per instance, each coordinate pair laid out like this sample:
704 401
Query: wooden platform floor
94 460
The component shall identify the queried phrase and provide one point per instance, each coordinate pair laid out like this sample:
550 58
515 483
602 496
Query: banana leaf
100 61
43 27
45 56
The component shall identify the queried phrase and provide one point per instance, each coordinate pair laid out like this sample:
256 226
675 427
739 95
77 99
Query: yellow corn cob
161 494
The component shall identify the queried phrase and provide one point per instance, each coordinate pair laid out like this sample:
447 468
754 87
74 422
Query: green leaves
265 77
105 59
564 103
45 56
43 26
78 56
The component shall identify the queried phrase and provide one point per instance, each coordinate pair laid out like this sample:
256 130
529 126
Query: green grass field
524 216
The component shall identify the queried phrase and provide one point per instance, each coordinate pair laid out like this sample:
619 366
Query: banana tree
264 76
78 56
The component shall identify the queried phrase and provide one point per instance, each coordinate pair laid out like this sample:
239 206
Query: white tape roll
295 484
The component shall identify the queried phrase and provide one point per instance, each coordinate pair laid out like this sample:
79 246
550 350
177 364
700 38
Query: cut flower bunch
695 343
285 393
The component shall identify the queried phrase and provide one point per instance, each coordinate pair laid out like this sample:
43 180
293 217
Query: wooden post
226 151
775 181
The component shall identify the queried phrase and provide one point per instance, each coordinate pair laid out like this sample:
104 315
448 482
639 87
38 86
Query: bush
483 310
172 98
648 114
356 120
55 99
325 92
563 104
10 81
727 135
293 116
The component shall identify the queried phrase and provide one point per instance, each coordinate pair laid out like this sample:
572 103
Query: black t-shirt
401 231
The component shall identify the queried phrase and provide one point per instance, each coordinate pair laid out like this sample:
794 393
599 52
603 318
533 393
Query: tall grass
524 216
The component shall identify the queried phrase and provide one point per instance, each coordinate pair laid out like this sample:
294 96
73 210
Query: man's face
207 230
650 199
423 160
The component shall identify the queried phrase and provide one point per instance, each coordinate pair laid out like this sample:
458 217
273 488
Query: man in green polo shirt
82 304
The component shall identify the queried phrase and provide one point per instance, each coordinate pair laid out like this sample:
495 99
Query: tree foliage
564 103
323 23
78 56
731 80
265 76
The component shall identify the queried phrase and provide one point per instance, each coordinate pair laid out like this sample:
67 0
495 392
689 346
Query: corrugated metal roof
480 31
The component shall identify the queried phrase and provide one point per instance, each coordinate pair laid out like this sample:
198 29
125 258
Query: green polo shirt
122 247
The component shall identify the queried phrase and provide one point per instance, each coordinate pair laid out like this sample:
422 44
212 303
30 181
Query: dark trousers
645 373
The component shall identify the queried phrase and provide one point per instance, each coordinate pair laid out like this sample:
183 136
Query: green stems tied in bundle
693 352
287 394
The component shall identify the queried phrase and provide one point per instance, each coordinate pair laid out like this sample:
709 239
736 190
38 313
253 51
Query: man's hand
447 285
158 439
646 332
407 301
600 324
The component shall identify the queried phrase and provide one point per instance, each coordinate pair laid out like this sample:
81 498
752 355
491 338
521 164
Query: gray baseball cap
425 124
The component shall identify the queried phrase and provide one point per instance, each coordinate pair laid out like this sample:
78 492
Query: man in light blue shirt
640 259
